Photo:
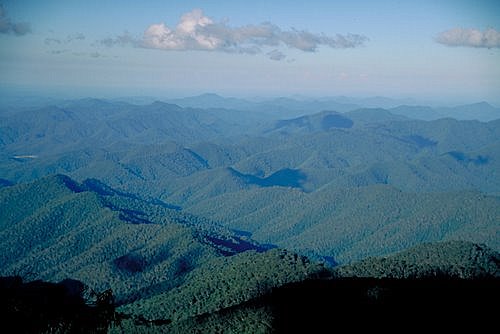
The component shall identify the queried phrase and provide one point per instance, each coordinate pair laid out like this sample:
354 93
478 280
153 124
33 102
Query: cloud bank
490 38
9 27
195 31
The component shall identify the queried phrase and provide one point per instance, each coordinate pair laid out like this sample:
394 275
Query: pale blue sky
397 56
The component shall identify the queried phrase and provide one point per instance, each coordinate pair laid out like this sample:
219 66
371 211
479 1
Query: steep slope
285 186
224 283
57 228
354 223
277 292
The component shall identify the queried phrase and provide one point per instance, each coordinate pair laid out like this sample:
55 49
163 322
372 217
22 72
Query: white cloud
489 38
198 32
189 34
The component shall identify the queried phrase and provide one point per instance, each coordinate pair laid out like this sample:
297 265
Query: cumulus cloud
9 27
490 38
195 31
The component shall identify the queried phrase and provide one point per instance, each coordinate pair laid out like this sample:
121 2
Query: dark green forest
208 214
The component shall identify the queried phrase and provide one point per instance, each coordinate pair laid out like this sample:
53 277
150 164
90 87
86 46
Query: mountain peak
209 95
482 104
86 102
161 104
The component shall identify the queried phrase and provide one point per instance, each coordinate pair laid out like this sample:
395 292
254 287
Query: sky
446 51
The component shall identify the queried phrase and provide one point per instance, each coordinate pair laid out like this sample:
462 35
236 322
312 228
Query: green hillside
353 223
172 271
57 228
224 283
279 292
357 184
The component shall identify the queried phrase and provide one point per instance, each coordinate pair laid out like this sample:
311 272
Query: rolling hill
173 271
353 223
277 292
366 182
57 228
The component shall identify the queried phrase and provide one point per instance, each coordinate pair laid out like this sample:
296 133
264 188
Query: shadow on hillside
292 178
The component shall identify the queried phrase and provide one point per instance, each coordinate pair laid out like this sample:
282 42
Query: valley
194 217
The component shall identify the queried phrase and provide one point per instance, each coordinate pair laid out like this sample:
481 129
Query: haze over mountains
164 201
251 169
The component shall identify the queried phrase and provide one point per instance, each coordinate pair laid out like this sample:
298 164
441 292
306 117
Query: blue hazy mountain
285 106
180 208
277 107
262 173
481 111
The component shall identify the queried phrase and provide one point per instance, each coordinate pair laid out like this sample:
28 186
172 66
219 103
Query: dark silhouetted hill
64 307
224 300
454 259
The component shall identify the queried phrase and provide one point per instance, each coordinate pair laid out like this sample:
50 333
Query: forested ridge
207 214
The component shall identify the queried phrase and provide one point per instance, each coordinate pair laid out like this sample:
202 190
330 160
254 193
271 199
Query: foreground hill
171 271
57 228
231 299
45 307
459 259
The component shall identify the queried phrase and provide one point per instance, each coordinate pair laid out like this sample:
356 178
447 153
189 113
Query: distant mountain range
291 182
282 107
290 106
477 111
207 212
